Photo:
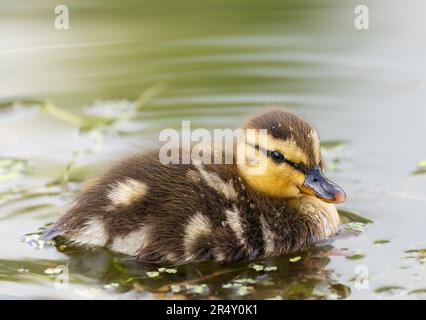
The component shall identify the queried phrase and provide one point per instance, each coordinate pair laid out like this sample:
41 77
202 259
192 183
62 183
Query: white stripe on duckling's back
197 226
268 237
214 181
92 233
234 220
132 242
123 193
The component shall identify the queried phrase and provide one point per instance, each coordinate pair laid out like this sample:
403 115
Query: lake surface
73 101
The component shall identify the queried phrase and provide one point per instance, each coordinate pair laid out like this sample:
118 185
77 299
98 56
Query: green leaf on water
257 267
388 288
422 164
11 168
245 290
167 270
51 109
171 270
349 216
421 167
357 256
418 291
153 274
85 124
418 254
197 288
272 268
175 288
295 259
418 251
381 241
51 271
245 281
355 226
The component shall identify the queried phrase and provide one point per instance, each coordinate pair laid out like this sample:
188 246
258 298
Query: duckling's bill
317 185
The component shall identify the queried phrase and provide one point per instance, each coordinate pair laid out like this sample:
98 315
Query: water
68 109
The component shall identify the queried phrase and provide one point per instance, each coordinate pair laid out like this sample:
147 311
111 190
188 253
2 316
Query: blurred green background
72 101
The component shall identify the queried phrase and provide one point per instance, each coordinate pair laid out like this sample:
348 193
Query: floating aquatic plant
272 268
418 254
259 267
381 241
53 271
153 274
189 288
356 256
420 292
245 281
245 290
349 216
421 168
167 270
197 288
388 289
243 286
11 168
101 114
355 226
295 259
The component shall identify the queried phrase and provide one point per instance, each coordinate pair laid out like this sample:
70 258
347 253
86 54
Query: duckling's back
157 213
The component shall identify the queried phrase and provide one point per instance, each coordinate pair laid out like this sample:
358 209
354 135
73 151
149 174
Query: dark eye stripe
298 166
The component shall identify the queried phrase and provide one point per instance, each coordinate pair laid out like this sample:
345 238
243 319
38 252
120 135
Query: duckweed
381 241
357 256
153 274
295 259
421 168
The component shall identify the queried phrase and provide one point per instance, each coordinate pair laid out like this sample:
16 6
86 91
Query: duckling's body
178 213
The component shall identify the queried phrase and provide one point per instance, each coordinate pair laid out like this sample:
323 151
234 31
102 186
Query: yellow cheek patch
278 182
274 179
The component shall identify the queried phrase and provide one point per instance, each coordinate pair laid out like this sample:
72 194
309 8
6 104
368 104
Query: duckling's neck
325 214
293 224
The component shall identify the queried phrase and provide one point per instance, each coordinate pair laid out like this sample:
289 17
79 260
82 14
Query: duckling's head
284 159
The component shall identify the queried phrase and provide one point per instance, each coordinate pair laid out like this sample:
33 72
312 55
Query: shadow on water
303 275
299 276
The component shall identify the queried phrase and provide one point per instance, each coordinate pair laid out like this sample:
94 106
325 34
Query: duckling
182 213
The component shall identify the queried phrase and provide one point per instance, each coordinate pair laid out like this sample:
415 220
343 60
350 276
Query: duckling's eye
277 156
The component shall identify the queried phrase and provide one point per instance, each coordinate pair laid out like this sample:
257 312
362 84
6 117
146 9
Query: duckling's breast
323 215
